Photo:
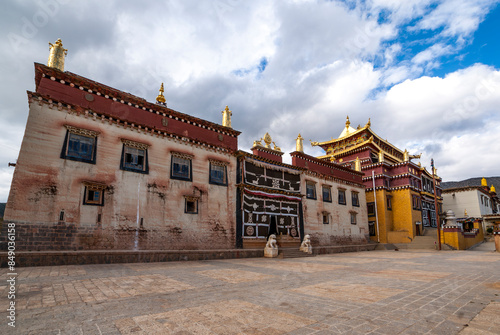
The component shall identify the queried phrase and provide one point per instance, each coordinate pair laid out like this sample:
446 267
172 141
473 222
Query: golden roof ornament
465 213
484 182
492 189
357 164
406 156
226 117
161 98
56 56
347 122
299 144
369 123
268 140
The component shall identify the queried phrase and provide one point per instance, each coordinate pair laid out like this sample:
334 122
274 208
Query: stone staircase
423 242
292 253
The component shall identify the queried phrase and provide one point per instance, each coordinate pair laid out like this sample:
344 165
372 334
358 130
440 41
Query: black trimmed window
218 173
371 208
389 202
371 228
353 218
355 199
80 145
342 200
93 194
310 190
181 166
191 205
134 157
326 218
327 193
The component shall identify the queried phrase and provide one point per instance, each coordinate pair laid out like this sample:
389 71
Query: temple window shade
181 167
134 157
80 145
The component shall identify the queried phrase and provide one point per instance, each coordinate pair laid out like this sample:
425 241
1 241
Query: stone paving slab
375 292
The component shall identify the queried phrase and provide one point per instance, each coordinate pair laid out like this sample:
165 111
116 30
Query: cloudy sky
426 72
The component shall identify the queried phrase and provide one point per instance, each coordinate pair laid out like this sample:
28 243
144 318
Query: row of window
80 145
327 194
326 218
94 195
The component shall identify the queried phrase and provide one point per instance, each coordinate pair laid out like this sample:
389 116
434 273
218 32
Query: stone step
292 253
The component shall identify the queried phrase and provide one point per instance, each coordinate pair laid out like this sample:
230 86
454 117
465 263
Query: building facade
101 169
474 203
399 193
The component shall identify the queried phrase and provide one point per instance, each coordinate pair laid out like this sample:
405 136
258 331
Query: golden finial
56 56
406 156
357 164
347 122
465 213
268 140
492 189
226 117
484 182
160 98
299 144
369 123
381 156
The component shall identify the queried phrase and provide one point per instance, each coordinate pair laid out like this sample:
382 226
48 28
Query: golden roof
348 130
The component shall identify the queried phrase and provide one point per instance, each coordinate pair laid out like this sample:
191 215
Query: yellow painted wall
384 215
458 241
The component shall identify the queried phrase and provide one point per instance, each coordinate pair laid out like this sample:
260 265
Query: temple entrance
273 226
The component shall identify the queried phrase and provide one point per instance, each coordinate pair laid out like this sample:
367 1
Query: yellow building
399 192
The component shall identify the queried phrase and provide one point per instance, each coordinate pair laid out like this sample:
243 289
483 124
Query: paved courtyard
376 292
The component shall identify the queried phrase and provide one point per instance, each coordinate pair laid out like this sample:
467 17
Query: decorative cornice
81 131
93 87
135 144
72 109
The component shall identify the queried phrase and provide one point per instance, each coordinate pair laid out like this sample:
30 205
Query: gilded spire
226 117
347 122
161 98
406 156
369 123
484 182
299 144
492 189
465 213
357 164
57 54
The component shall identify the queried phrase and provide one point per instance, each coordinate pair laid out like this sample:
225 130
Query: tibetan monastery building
101 169
399 193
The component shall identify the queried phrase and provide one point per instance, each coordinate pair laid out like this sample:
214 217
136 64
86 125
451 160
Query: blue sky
425 72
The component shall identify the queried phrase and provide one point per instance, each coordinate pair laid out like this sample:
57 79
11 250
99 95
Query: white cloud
324 61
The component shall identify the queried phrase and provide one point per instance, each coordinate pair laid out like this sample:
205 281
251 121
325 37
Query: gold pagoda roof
349 132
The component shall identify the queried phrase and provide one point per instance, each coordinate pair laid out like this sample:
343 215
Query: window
326 218
371 208
181 166
191 205
80 145
416 202
353 218
371 228
134 157
355 199
218 173
389 202
327 193
94 194
342 197
310 190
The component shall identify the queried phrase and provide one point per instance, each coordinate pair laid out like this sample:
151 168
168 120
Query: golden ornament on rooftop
56 56
160 98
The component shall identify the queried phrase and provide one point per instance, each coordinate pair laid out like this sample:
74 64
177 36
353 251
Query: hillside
473 182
